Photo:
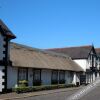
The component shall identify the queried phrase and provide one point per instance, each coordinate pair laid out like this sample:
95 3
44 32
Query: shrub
23 83
70 85
61 85
21 89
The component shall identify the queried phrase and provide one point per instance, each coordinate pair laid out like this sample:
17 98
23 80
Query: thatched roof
80 52
23 56
6 30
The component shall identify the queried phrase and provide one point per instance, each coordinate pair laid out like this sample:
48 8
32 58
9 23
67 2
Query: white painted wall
74 78
46 77
1 79
30 77
78 77
82 63
11 77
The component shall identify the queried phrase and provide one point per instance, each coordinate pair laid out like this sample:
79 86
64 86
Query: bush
39 88
22 89
23 83
61 85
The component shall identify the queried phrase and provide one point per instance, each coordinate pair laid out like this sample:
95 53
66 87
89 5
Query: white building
86 57
38 67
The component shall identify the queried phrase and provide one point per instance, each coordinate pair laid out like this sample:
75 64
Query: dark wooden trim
5 33
5 62
40 73
3 83
3 77
18 76
33 75
4 52
1 30
3 70
2 62
6 56
46 68
27 74
79 58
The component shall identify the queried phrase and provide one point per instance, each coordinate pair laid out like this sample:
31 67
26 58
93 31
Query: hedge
24 89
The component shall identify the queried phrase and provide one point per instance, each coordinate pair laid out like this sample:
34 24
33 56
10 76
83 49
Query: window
22 74
36 77
61 77
54 77
71 75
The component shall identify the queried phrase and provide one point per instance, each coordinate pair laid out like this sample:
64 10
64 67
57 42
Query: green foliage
23 83
21 89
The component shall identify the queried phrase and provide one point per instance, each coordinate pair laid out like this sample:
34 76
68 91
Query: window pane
55 75
62 75
37 74
22 74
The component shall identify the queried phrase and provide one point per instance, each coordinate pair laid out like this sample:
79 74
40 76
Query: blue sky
53 23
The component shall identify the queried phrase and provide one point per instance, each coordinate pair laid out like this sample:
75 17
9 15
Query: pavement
28 96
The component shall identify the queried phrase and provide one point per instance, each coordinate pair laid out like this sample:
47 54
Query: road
93 95
54 96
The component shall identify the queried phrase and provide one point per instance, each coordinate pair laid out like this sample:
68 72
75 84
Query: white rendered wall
78 78
46 77
11 77
30 77
82 63
1 79
74 78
